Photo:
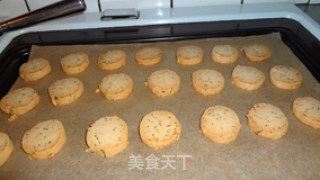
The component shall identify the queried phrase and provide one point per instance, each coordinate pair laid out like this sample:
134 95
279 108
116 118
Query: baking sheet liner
295 156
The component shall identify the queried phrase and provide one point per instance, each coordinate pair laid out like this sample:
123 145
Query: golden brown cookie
257 52
116 86
224 54
19 101
268 121
159 129
307 110
6 148
285 77
112 59
107 136
65 91
163 82
247 78
207 81
189 55
148 56
35 69
75 63
220 124
44 140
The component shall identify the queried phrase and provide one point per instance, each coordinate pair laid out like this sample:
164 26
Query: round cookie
220 124
107 136
35 69
207 81
247 78
224 54
163 82
307 110
65 91
44 140
267 120
116 86
285 77
19 101
257 52
75 63
159 129
148 56
112 59
6 148
189 55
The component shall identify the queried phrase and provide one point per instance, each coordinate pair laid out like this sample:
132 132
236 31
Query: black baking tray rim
302 43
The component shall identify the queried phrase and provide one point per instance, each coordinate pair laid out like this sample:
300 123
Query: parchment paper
295 156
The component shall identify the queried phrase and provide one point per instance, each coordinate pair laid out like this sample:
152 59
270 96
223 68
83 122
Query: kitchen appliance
300 33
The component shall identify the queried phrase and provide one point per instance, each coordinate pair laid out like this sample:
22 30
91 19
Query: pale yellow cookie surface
44 140
207 81
35 69
247 78
148 56
307 110
285 77
164 82
224 54
107 136
112 59
19 101
116 86
65 91
159 129
75 63
257 52
189 55
267 120
220 124
6 148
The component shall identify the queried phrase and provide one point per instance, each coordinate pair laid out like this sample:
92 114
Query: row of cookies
108 135
75 63
162 82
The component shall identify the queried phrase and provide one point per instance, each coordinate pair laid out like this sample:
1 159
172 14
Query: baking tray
302 43
294 156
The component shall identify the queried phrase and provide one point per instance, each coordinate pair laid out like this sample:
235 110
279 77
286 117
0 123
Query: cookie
257 52
285 77
75 63
207 81
247 78
65 91
112 59
148 56
267 120
107 136
307 110
189 55
44 140
6 148
224 54
163 82
19 101
116 86
35 69
159 129
220 124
